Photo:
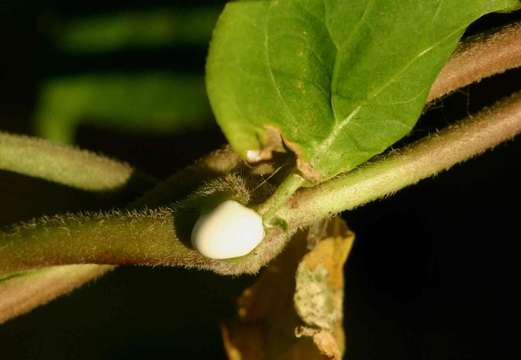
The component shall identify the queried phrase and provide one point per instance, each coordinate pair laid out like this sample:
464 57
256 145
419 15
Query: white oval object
253 156
229 230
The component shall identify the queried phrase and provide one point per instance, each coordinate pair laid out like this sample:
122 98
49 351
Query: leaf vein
269 66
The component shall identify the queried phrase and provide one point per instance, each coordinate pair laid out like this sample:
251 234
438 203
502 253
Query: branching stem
151 237
281 196
67 166
423 159
476 58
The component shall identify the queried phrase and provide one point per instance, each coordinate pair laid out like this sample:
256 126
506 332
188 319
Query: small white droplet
229 230
253 155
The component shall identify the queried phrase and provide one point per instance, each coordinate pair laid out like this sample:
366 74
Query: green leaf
340 81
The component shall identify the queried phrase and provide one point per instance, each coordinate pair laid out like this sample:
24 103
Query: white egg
253 156
229 230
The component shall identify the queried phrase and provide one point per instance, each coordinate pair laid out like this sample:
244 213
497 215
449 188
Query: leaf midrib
337 128
330 139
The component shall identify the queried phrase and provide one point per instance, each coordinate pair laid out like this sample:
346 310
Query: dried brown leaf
294 310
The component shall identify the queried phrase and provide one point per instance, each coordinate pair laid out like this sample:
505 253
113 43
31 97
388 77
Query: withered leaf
294 310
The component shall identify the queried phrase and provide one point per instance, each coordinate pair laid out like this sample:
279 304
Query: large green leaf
339 80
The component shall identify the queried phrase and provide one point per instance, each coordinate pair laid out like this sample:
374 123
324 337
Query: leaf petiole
279 198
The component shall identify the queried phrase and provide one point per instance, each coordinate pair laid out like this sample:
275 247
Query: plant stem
70 167
151 237
478 58
25 291
62 164
22 292
423 159
281 195
475 59
146 237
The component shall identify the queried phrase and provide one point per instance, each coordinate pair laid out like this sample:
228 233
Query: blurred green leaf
153 102
136 29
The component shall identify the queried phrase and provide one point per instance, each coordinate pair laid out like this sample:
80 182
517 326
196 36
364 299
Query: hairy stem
67 166
117 238
478 58
22 292
281 195
423 159
147 237
61 164
152 237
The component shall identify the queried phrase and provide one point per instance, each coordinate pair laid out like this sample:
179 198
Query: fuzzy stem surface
22 292
476 59
150 237
61 164
281 195
422 159
479 57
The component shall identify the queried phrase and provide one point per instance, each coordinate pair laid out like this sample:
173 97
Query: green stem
25 291
68 166
475 59
423 159
284 191
71 167
150 237
146 237
62 164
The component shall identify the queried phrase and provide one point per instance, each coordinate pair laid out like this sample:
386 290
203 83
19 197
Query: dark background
434 273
